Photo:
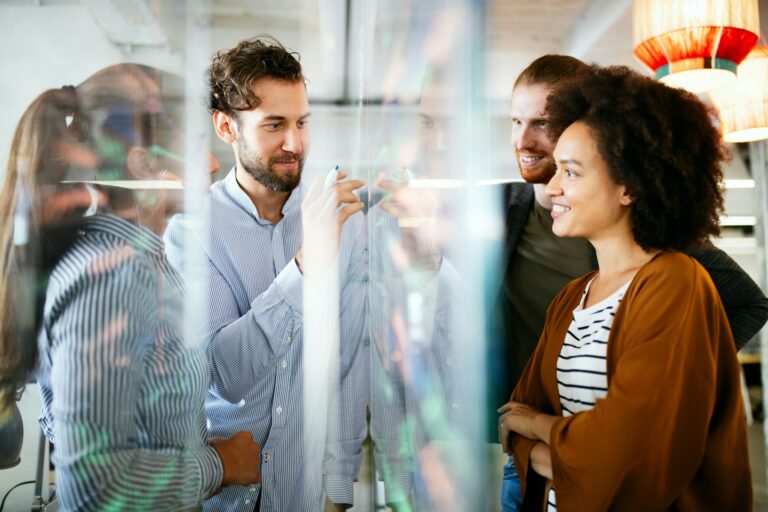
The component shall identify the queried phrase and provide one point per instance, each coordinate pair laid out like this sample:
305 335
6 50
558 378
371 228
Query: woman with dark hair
631 400
122 392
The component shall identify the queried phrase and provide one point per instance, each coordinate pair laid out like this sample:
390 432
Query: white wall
49 46
45 47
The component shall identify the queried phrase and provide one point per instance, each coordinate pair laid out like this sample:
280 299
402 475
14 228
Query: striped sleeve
243 347
99 344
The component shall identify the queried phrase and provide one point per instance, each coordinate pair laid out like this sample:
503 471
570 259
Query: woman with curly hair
631 400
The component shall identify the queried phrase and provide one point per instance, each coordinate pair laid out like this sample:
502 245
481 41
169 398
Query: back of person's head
659 142
110 127
132 113
551 70
233 72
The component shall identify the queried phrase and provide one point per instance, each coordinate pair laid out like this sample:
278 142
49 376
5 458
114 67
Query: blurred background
366 63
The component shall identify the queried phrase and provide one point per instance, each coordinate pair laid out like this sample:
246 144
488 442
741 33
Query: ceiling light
695 44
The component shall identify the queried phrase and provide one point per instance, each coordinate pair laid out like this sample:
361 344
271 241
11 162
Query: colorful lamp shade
695 44
743 105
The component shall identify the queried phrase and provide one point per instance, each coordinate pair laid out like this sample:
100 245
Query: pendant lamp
695 44
743 105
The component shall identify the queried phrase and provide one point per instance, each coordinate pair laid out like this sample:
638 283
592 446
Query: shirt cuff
290 284
211 471
397 488
339 488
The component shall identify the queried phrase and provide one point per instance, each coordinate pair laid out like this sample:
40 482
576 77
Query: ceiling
519 32
399 36
380 47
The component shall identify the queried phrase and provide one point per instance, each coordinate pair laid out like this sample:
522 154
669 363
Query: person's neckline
611 299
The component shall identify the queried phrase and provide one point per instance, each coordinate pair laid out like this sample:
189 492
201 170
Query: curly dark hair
233 72
657 141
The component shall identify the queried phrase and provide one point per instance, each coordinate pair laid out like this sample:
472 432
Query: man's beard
539 174
266 174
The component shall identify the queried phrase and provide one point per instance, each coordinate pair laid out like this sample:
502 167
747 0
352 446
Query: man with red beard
538 264
254 274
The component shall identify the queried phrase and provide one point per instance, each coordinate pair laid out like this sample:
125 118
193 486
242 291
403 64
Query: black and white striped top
122 393
581 370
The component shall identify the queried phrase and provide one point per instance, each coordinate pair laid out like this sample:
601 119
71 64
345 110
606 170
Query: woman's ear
626 199
138 161
225 126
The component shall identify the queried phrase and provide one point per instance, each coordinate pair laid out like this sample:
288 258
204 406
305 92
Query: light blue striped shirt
254 336
122 394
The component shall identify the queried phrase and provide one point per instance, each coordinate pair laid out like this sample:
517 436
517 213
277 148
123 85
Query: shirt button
277 230
284 364
455 405
266 457
448 361
253 489
247 502
289 339
279 410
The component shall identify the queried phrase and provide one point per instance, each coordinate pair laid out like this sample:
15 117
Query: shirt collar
138 237
292 205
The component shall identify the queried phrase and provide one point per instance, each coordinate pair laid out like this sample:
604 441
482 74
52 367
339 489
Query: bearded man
255 273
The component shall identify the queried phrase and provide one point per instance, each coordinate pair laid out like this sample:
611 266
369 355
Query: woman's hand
524 420
516 417
541 460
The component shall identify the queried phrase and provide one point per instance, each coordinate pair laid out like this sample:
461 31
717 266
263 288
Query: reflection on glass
261 398
346 340
426 396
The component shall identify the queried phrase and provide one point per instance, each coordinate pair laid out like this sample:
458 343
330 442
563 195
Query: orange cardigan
671 433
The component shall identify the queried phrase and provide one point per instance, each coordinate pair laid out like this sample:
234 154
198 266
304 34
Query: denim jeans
511 492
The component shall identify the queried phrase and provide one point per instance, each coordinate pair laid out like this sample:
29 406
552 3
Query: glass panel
179 296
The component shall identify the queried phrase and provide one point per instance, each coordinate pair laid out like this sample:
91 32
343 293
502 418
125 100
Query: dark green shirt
540 267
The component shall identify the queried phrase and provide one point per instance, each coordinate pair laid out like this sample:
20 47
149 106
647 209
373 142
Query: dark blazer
744 301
